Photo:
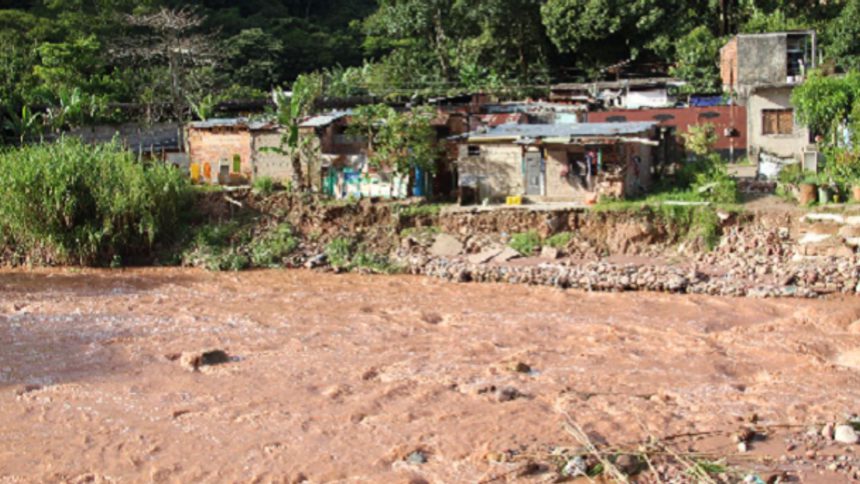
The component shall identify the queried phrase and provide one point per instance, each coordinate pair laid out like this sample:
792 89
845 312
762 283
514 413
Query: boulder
194 360
846 434
850 232
485 256
506 255
550 253
446 245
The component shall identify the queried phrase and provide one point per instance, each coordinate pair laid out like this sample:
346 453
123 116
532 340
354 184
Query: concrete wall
782 145
134 136
268 163
499 169
217 147
762 59
637 176
654 98
559 186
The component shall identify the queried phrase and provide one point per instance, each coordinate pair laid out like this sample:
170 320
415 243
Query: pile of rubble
752 259
605 276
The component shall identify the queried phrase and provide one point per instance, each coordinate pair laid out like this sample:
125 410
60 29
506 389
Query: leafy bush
339 252
270 249
343 253
372 262
69 202
526 243
791 174
700 139
560 240
264 186
214 247
717 186
231 247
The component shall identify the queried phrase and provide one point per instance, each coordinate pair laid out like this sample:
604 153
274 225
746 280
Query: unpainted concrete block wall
762 59
499 168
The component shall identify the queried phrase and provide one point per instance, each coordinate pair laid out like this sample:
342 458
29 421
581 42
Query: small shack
338 162
222 151
558 162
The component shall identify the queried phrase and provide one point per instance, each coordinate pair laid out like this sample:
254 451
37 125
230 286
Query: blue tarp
706 101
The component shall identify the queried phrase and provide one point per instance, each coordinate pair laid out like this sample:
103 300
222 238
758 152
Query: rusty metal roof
516 132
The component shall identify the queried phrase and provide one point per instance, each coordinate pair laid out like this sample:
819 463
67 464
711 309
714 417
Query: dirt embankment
400 379
688 249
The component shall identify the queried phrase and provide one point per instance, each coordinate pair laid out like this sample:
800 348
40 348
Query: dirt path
341 378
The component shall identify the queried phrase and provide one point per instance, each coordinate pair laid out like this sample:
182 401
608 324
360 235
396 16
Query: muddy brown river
341 378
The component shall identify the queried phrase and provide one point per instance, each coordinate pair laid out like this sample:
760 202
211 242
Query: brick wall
217 149
729 64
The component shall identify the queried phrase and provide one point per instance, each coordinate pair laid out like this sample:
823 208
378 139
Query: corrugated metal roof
239 123
324 120
581 130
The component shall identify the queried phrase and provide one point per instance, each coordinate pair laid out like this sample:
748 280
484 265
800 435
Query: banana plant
69 112
205 107
24 124
291 109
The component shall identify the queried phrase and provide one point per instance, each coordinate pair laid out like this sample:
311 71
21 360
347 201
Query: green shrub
526 243
270 249
559 240
264 186
372 262
343 253
790 174
417 210
230 260
339 252
70 202
717 186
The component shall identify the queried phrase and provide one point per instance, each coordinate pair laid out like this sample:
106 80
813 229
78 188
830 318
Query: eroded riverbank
343 377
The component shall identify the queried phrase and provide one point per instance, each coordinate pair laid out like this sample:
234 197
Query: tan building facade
562 163
772 127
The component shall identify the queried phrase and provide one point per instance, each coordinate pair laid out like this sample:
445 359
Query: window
474 150
777 121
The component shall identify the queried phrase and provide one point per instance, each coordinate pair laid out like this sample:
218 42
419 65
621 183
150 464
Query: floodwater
341 378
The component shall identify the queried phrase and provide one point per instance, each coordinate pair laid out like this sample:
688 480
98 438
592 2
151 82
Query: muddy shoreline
336 378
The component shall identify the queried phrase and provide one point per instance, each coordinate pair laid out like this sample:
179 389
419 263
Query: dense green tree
66 60
601 33
844 36
697 56
397 141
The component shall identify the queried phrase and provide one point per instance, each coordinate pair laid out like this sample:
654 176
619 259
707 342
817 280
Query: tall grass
73 203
